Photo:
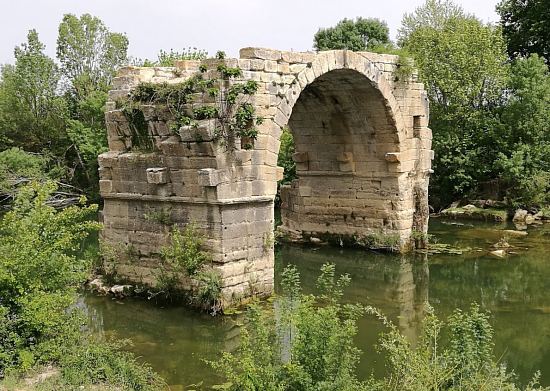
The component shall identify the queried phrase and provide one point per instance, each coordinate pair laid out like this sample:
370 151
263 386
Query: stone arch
367 185
344 120
329 61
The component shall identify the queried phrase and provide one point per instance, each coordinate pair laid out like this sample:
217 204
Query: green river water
516 290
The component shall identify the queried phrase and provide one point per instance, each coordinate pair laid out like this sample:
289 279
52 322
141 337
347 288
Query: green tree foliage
433 13
36 116
32 115
88 136
523 141
359 35
462 64
284 159
525 26
20 167
40 272
89 53
489 118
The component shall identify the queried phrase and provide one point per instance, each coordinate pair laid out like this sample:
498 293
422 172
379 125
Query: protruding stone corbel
210 177
302 161
393 157
346 162
157 175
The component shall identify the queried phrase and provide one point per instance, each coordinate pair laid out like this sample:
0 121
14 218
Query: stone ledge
188 200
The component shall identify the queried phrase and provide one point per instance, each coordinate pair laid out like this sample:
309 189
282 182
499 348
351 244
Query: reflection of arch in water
411 294
397 285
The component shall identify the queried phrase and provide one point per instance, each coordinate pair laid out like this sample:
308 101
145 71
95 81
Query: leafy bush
185 254
40 271
17 165
307 344
168 59
452 355
103 362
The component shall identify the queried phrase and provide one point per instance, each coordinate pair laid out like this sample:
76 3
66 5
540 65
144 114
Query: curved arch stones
362 152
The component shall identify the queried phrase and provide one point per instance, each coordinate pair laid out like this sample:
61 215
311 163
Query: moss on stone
475 213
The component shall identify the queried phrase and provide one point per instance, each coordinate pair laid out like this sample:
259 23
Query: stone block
157 175
260 53
300 157
280 173
392 157
209 177
205 131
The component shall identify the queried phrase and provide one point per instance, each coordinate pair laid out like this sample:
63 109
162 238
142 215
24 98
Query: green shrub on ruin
185 252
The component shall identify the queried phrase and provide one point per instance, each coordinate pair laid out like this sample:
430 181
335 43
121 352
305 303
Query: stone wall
363 154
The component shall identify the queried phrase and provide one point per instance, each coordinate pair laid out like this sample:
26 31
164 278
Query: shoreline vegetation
489 93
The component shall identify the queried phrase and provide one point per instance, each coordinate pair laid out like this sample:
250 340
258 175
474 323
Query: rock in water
498 253
98 286
120 290
520 215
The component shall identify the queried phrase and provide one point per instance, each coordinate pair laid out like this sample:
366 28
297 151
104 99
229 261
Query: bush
184 254
18 166
307 344
40 272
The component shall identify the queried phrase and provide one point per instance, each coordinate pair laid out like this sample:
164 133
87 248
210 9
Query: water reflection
515 290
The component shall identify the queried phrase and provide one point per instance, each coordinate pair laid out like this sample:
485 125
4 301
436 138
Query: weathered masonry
362 151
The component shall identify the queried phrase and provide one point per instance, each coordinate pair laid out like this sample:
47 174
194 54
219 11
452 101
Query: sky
211 25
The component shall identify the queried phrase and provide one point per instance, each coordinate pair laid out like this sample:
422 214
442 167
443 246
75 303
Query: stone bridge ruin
362 152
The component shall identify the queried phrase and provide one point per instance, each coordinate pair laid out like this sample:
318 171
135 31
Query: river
516 290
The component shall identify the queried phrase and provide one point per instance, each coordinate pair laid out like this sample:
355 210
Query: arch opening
342 131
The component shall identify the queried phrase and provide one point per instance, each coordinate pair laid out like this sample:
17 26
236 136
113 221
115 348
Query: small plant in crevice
110 256
184 257
269 241
208 293
162 216
184 253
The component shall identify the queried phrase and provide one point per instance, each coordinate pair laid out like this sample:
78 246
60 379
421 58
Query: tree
523 143
32 115
462 63
525 26
89 53
359 35
433 13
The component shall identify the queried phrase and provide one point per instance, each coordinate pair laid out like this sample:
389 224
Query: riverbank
175 340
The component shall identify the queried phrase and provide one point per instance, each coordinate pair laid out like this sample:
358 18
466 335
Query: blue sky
207 24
